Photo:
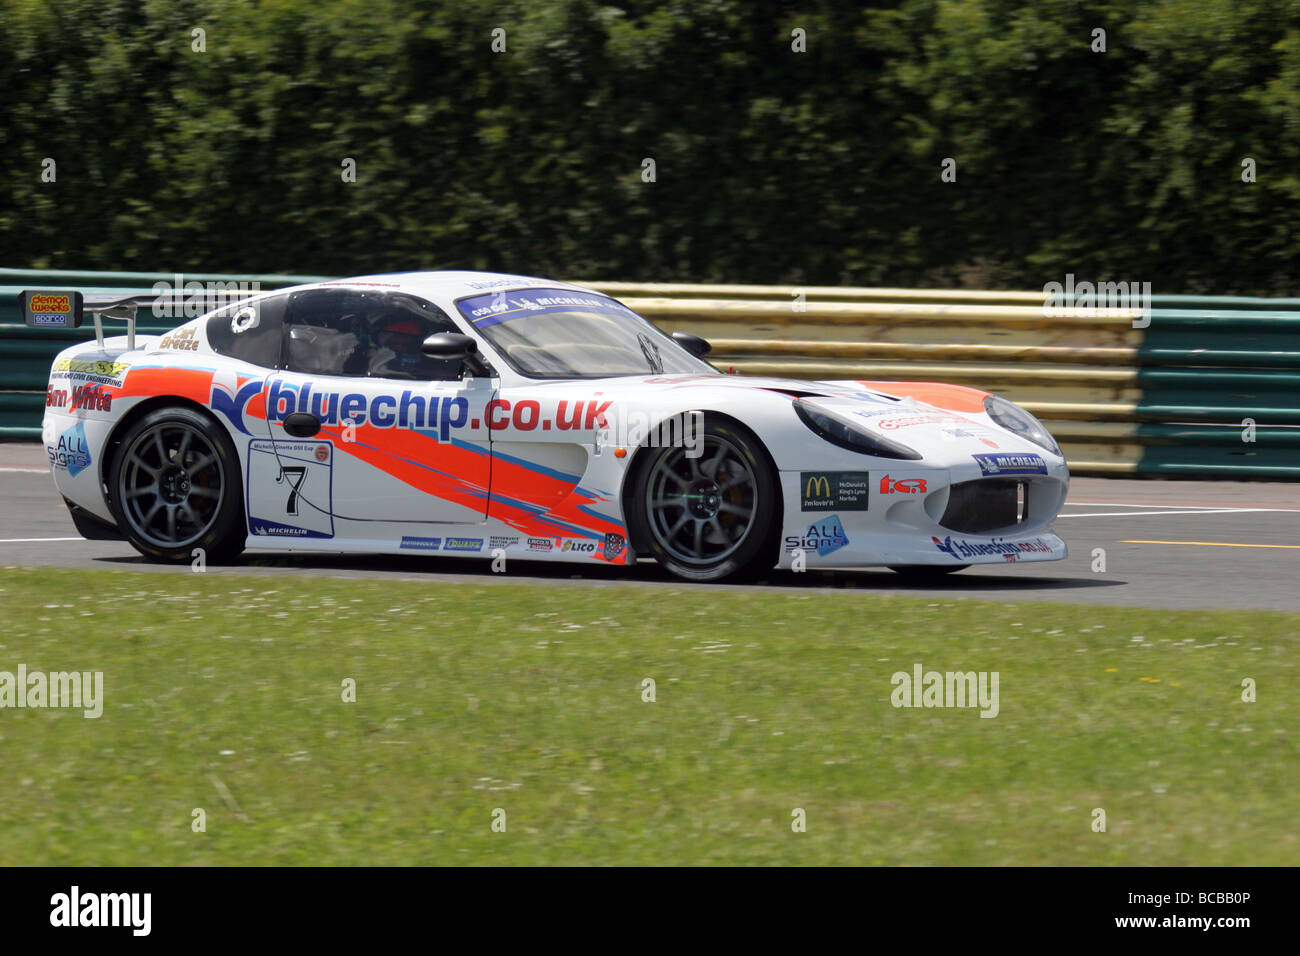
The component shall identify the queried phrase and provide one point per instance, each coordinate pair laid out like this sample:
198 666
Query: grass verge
224 692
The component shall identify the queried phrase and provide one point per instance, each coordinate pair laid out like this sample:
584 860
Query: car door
363 426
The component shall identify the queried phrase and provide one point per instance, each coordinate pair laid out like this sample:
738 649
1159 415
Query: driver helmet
401 335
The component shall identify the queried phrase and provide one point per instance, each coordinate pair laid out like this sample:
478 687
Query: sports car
481 415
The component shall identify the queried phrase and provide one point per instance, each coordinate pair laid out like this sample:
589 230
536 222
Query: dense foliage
771 165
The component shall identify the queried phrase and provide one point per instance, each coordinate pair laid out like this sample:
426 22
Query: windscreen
560 333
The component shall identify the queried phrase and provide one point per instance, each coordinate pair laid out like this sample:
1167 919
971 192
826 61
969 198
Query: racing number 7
297 474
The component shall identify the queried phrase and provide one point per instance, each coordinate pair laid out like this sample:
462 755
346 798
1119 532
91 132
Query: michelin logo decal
1006 463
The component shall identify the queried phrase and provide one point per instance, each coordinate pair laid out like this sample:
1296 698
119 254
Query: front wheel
711 516
174 487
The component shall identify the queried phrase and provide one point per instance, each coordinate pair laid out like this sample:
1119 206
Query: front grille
987 504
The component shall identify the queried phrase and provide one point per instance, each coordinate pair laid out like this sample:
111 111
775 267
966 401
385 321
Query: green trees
225 150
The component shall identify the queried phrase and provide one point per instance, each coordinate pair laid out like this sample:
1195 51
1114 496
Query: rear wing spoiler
66 309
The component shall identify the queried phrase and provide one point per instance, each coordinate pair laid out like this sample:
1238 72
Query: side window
252 332
375 334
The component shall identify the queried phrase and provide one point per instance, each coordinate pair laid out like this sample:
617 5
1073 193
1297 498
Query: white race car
478 415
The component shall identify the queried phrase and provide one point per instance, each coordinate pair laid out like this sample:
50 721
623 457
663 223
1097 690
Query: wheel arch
641 455
134 414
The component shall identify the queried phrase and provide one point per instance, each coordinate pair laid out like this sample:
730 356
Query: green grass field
224 692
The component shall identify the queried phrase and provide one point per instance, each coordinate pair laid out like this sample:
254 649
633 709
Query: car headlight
847 434
1015 419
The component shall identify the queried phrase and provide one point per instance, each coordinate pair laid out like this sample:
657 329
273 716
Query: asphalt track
1167 544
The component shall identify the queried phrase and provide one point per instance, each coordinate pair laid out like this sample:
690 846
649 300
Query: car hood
941 434
787 386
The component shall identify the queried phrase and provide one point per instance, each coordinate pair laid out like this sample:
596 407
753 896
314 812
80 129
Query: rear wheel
174 487
711 516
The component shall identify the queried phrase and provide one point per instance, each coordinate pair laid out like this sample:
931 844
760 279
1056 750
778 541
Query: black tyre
710 517
174 486
921 571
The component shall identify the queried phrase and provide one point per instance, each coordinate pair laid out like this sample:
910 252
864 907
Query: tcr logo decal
910 486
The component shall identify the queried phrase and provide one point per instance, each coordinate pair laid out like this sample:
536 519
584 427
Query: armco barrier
26 354
1183 396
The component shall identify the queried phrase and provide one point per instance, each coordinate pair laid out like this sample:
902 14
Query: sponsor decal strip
960 548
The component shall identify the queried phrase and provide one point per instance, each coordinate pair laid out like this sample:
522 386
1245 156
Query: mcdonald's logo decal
834 490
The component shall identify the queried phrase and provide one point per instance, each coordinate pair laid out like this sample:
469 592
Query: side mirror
450 346
693 343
